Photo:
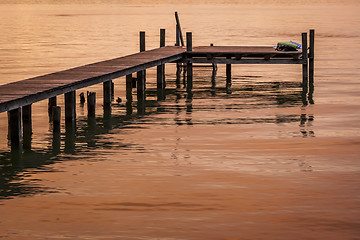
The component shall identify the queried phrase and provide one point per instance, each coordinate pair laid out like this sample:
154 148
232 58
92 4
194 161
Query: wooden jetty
16 98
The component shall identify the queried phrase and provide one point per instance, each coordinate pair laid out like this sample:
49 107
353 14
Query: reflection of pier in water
87 133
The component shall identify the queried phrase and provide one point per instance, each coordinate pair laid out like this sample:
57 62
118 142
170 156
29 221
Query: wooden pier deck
16 98
25 92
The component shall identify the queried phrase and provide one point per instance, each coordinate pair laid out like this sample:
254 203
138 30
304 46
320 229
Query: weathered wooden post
91 104
228 73
27 126
14 128
161 68
179 37
70 106
56 118
305 63
51 104
189 63
107 94
129 79
311 61
141 75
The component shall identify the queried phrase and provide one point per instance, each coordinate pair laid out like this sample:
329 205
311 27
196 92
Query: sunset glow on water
250 162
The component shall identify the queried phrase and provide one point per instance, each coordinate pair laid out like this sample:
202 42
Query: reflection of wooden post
311 60
91 104
14 121
70 107
27 126
189 64
305 62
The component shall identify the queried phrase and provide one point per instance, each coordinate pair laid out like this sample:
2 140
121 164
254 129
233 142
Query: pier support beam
56 118
70 106
91 104
14 128
305 63
189 69
161 68
228 74
311 64
129 86
107 94
52 102
142 74
27 126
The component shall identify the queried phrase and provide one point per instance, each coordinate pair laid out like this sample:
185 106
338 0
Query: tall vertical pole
189 64
305 63
91 104
27 126
161 68
129 97
178 31
311 62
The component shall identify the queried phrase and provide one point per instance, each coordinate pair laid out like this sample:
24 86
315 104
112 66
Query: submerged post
14 127
129 85
56 142
91 104
70 107
311 60
305 63
228 73
27 126
189 64
107 94
51 104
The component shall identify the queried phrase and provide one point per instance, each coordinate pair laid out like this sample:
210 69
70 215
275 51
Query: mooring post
228 73
91 104
179 36
27 126
112 90
51 104
107 94
142 49
14 128
305 63
70 106
140 86
189 63
161 68
56 118
311 60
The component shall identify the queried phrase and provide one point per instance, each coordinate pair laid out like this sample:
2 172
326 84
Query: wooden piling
189 64
112 90
107 94
56 141
70 106
27 126
140 86
311 60
228 73
14 127
305 63
52 102
161 68
142 74
91 104
129 86
178 30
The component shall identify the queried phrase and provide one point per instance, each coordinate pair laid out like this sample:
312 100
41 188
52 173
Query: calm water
250 162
